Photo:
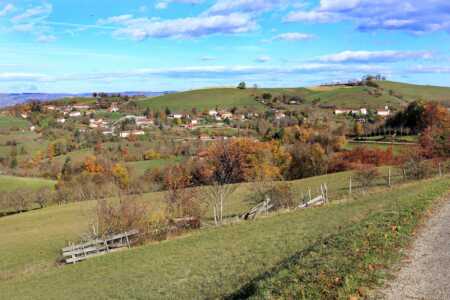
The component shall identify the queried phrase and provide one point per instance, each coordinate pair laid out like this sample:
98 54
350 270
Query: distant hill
393 94
8 99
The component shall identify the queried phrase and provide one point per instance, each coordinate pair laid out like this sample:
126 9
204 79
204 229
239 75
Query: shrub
366 175
127 214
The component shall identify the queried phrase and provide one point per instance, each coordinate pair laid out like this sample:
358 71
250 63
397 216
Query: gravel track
426 274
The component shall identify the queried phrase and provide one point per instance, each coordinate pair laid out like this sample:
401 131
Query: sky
140 45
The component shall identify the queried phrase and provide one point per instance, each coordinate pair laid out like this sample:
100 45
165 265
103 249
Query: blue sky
117 45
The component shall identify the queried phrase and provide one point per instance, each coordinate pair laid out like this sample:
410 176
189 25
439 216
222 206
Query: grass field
354 97
224 98
139 167
7 122
209 263
11 183
412 92
351 97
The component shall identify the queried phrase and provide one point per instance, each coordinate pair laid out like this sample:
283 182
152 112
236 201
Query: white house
279 115
176 116
75 114
341 111
61 120
212 113
125 134
384 112
226 115
81 106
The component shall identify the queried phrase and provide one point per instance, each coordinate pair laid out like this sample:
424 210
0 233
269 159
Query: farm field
209 263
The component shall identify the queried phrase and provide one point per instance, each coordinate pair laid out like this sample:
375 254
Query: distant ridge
8 99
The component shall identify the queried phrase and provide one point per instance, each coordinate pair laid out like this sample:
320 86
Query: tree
242 85
359 129
180 196
120 174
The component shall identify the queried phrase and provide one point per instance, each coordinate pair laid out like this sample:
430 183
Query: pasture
209 263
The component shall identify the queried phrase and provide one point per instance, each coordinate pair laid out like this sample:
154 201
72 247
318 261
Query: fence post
309 192
389 177
350 186
440 170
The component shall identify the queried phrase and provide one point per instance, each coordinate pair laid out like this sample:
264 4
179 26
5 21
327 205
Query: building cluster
385 112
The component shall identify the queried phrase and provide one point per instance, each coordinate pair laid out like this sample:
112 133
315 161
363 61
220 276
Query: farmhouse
226 115
212 113
125 134
384 112
75 114
81 107
279 115
61 120
175 116
143 121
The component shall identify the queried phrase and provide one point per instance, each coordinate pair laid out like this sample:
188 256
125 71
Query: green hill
412 92
393 94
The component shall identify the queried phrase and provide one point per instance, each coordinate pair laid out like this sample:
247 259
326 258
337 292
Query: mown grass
354 261
209 263
11 183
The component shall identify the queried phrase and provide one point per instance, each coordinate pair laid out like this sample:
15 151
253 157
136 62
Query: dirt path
427 272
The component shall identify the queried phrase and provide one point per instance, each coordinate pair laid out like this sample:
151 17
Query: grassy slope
353 97
203 99
11 183
12 122
58 224
139 167
206 264
415 92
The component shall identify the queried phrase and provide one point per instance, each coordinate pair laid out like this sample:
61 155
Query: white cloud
161 5
243 6
263 59
142 28
208 58
6 10
311 16
374 56
431 69
165 3
17 76
412 16
294 36
43 38
33 14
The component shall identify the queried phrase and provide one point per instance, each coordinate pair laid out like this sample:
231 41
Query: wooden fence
75 253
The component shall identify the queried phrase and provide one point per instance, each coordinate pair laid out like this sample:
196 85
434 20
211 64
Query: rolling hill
393 94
